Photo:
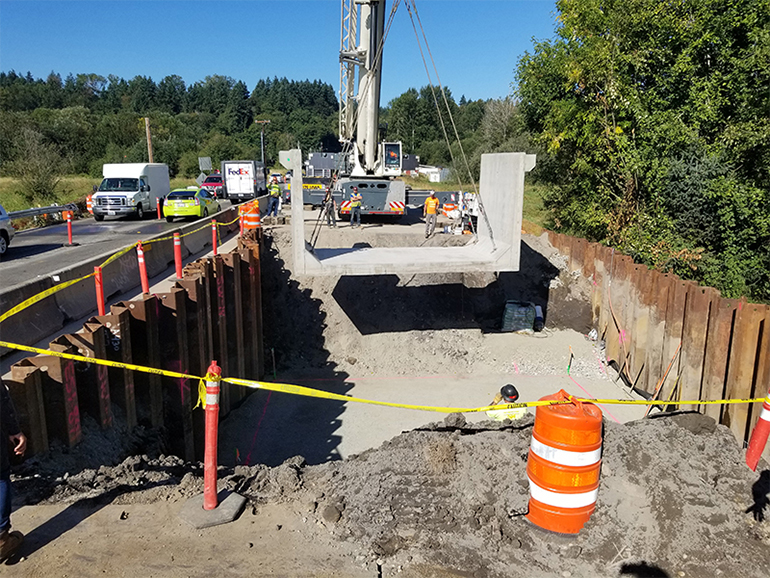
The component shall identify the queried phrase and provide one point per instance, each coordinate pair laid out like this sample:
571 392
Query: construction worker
430 213
330 207
355 208
508 394
9 432
275 196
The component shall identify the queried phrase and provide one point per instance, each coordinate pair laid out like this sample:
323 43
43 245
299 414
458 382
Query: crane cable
449 112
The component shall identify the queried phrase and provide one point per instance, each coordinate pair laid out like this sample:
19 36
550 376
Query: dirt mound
450 499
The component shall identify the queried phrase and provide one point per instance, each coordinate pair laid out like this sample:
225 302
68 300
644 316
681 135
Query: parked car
190 202
213 184
6 231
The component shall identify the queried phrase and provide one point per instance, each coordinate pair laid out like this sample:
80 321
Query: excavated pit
450 498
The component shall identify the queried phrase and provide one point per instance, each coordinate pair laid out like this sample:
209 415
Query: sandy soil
446 499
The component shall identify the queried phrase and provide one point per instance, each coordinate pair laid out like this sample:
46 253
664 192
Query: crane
369 164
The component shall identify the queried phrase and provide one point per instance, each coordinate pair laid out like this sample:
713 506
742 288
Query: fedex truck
243 180
130 189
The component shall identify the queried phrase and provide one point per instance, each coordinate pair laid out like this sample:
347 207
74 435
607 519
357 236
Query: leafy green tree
655 118
39 167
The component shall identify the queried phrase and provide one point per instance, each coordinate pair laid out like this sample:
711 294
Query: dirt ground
445 499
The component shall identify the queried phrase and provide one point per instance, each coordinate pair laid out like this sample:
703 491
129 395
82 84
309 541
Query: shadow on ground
387 304
271 427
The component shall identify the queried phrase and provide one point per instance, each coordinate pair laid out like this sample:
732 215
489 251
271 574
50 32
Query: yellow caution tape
202 389
48 292
201 394
228 224
40 296
309 392
117 255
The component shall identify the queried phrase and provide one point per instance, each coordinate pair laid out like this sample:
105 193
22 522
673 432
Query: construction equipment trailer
369 164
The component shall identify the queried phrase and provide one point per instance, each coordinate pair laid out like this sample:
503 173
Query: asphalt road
36 253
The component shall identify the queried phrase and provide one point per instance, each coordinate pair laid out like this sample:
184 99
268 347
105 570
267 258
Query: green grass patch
71 189
534 211
182 183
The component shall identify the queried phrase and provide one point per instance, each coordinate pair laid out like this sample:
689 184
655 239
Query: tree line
86 120
655 120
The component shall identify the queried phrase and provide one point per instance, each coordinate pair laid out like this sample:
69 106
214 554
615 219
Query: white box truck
243 180
130 189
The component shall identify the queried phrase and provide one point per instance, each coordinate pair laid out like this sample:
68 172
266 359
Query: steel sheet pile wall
644 316
214 312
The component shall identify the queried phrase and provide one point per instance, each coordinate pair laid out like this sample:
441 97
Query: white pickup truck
130 189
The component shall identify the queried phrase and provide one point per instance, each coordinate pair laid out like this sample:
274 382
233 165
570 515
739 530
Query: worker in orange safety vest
430 212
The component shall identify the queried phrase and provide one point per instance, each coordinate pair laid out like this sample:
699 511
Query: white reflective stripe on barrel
561 500
765 415
564 457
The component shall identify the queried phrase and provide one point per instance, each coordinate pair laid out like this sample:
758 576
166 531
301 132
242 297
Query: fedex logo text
238 171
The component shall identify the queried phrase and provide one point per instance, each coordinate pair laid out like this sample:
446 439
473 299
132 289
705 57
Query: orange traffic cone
759 436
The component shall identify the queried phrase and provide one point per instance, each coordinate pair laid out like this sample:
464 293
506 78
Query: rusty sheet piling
213 312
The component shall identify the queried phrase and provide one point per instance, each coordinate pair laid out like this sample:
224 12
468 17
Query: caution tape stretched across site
55 289
310 392
42 295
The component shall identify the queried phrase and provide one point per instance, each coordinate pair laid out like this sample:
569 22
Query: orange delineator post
241 219
99 290
142 268
564 464
212 424
214 236
759 436
178 255
68 216
157 206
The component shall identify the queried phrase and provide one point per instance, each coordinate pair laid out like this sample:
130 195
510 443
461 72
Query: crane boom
361 41
370 164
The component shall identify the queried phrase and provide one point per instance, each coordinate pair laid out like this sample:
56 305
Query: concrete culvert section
349 490
494 248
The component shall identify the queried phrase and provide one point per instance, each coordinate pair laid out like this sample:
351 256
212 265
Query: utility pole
149 137
262 124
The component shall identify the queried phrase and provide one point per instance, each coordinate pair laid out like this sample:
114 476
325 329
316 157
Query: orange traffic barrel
564 463
447 208
89 204
251 218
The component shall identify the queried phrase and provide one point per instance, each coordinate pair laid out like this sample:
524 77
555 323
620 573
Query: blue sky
475 43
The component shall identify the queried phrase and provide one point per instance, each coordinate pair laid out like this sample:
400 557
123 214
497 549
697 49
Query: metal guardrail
34 212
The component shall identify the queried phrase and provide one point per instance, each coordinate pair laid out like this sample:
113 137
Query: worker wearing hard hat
275 196
430 212
355 208
508 394
330 207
